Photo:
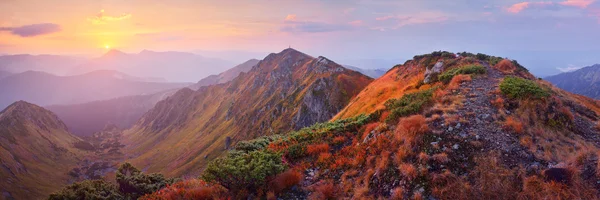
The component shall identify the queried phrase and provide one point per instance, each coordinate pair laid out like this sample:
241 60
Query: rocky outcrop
432 73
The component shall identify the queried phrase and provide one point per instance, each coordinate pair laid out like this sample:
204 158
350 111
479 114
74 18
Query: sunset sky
340 29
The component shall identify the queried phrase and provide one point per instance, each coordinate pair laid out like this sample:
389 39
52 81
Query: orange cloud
518 7
101 18
290 17
577 3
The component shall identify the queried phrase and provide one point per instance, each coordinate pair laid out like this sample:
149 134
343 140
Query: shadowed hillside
285 91
36 153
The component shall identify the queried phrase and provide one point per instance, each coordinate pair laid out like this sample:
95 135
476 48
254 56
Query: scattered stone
455 146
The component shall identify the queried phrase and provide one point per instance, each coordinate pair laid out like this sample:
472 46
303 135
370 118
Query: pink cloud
577 3
518 7
356 23
399 21
385 18
595 13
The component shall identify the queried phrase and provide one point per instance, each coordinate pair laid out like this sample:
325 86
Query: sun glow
107 46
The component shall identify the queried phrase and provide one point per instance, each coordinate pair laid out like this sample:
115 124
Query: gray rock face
318 104
431 74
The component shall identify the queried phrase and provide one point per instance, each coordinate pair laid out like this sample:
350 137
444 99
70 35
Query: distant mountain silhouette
171 65
584 81
47 89
54 64
373 73
226 76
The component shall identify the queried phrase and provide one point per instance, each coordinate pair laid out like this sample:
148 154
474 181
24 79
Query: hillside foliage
131 184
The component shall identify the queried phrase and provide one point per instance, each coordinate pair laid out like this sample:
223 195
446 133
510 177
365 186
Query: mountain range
54 64
291 126
584 81
46 89
172 66
87 118
373 73
284 91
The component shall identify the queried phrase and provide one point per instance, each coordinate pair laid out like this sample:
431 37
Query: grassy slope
36 161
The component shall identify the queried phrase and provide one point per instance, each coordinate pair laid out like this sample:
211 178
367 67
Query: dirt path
483 123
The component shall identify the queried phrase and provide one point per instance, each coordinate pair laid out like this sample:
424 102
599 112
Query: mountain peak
114 53
25 111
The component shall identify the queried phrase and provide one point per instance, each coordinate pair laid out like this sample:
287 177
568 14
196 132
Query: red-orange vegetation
527 141
383 161
441 158
498 102
384 115
505 66
409 171
315 149
397 194
566 112
418 196
325 190
423 157
368 128
440 93
324 158
339 140
286 180
511 124
410 128
535 187
401 154
457 80
189 189
449 186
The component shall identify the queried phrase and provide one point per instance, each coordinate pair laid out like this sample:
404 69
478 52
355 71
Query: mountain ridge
280 93
584 81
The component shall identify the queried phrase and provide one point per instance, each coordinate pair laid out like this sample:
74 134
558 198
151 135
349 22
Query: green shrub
409 104
518 88
447 76
256 144
89 189
295 151
239 170
134 184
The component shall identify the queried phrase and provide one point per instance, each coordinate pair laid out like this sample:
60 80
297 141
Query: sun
107 46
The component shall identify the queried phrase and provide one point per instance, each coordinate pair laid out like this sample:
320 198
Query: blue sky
546 36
